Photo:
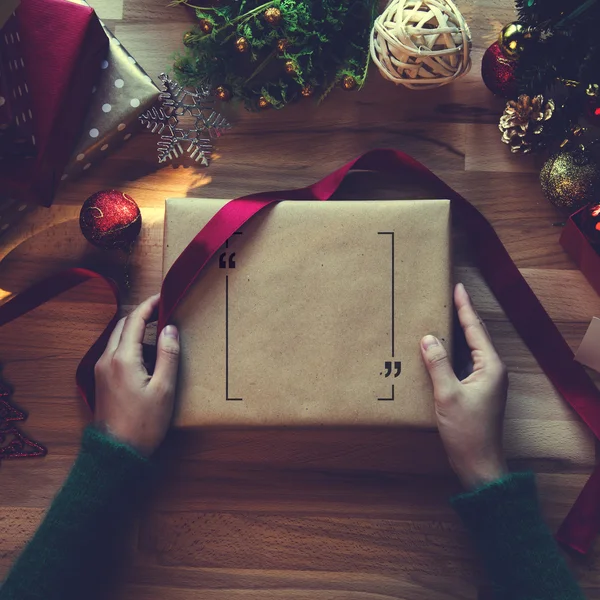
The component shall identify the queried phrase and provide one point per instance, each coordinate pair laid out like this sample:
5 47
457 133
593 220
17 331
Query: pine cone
523 121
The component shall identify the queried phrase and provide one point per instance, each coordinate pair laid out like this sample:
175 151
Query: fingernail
171 331
429 341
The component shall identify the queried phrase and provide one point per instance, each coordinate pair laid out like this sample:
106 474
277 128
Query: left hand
134 407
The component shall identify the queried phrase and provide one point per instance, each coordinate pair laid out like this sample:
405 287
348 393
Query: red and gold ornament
110 220
498 72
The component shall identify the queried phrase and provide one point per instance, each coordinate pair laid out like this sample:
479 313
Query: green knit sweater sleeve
518 550
72 549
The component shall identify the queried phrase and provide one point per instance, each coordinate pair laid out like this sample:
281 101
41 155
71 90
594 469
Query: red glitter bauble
110 220
498 72
590 223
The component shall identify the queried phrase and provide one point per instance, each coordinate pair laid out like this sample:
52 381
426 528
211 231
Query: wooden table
290 514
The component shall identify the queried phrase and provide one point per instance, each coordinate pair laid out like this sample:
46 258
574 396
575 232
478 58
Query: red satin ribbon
51 287
501 274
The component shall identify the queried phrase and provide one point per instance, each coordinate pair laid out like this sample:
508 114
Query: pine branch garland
326 40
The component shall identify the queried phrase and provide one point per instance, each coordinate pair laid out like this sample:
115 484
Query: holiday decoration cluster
546 64
269 54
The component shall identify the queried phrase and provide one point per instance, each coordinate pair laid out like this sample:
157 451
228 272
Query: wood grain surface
298 514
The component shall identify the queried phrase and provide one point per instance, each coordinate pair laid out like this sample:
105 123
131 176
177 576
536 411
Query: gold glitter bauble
282 45
205 26
513 39
242 45
571 178
188 39
223 93
273 16
348 82
263 103
307 91
290 67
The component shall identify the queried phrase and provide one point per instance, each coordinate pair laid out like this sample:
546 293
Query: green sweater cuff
68 551
518 550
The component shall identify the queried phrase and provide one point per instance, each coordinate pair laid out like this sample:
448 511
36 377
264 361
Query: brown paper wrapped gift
312 314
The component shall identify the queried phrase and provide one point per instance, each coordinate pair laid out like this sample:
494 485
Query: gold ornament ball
513 39
263 103
571 178
223 93
290 67
206 26
273 16
307 91
282 45
348 82
242 45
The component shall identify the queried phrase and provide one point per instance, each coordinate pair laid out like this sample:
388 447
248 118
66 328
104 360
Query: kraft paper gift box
312 314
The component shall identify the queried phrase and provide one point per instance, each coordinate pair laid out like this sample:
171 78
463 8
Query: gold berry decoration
273 16
290 67
242 45
282 45
205 26
188 39
263 103
513 39
223 93
307 91
348 82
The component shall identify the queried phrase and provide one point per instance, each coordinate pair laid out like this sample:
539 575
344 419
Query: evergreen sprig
328 39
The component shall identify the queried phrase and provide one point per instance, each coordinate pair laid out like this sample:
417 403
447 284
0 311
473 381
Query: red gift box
577 246
63 47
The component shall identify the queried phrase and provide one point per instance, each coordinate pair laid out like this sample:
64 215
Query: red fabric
63 47
512 291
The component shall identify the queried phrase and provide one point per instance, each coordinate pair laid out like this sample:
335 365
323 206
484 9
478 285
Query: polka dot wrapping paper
123 91
16 117
62 45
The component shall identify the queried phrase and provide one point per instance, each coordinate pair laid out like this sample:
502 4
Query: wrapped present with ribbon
262 346
123 91
214 246
63 46
16 118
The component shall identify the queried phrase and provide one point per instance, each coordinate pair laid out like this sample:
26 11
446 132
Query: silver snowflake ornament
177 102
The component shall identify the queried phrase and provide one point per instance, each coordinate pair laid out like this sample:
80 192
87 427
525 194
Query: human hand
134 407
470 412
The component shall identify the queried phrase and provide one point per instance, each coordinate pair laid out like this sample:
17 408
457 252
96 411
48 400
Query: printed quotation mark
223 260
397 368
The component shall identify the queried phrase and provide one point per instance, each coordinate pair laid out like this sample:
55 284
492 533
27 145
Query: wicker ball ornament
421 44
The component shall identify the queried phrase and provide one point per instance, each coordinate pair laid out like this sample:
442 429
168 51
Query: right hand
131 405
470 413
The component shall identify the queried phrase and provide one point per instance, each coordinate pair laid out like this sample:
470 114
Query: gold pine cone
523 120
263 103
242 45
273 16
